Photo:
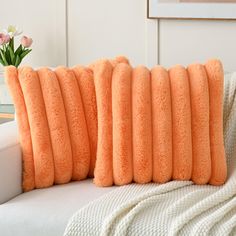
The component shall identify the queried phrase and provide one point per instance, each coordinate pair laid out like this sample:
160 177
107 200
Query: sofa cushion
10 162
47 211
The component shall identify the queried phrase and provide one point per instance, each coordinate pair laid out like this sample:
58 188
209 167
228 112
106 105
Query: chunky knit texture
174 208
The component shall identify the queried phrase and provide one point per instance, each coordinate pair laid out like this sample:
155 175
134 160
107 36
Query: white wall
107 28
188 41
81 31
45 22
42 20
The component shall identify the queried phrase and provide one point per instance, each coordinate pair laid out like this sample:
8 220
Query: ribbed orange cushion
120 124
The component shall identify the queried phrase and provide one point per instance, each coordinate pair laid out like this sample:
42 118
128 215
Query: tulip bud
26 42
4 38
7 38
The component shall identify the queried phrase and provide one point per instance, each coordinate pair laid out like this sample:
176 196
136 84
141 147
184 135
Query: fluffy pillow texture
120 124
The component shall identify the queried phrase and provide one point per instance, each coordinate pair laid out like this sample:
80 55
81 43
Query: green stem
4 59
11 43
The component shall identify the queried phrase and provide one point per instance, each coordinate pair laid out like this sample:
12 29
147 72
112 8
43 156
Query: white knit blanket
175 208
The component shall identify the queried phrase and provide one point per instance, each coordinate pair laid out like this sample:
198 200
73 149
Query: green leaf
4 59
24 53
7 55
18 50
18 61
1 54
12 55
2 62
11 44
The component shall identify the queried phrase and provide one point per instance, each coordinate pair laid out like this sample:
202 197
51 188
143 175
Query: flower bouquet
8 55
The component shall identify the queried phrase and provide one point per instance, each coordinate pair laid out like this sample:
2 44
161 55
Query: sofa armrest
10 162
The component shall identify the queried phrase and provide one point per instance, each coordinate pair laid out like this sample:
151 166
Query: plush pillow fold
161 125
215 75
120 124
57 123
40 134
87 89
181 122
103 172
11 75
76 122
141 125
199 96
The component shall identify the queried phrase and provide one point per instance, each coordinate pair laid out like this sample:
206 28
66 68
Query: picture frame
192 9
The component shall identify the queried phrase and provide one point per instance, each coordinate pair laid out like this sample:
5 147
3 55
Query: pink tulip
4 38
7 38
26 42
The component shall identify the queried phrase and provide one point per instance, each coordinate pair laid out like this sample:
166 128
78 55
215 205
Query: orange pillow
174 121
120 124
52 125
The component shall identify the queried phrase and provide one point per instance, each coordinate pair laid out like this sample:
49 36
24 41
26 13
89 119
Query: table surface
7 112
7 108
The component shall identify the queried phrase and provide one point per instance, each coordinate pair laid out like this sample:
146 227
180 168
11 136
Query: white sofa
41 212
38 212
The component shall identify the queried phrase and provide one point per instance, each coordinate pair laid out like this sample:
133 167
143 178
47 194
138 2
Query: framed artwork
192 9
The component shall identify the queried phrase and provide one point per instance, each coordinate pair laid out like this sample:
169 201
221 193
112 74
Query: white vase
5 97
